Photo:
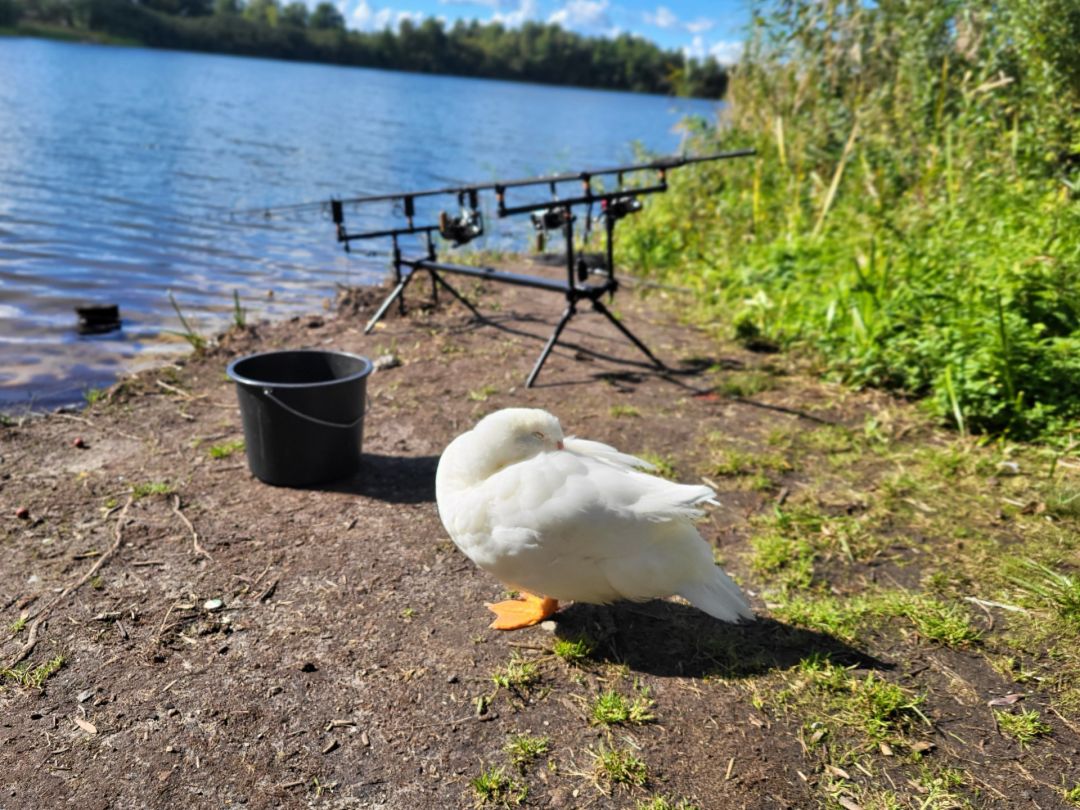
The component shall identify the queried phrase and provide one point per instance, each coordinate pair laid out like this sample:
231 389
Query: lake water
121 170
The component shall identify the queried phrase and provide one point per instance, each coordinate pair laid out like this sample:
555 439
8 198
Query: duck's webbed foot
513 614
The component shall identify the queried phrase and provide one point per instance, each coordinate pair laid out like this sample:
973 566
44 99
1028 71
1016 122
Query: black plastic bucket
303 414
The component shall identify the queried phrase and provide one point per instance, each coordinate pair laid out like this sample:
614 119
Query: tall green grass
912 218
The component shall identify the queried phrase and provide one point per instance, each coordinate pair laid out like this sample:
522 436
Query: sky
699 28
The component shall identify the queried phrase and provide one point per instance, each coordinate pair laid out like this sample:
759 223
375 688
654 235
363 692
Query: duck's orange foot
513 614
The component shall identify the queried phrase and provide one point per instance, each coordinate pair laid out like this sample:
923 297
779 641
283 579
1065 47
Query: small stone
451 678
85 696
386 361
22 513
79 442
549 626
213 604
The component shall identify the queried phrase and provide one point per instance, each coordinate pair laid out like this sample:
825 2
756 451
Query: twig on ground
985 603
179 391
196 545
32 636
74 418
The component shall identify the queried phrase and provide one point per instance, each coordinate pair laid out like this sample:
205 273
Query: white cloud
700 25
366 18
526 10
667 19
584 15
492 4
724 51
663 18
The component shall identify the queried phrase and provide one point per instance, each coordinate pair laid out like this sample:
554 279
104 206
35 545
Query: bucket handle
269 393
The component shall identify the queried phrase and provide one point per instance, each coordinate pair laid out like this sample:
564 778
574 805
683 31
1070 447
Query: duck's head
516 434
507 437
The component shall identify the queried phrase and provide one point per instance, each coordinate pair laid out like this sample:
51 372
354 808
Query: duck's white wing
575 527
605 452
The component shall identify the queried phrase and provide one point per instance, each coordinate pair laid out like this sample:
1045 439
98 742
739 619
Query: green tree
326 17
296 14
263 11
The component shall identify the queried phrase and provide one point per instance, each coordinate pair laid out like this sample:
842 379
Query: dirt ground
225 642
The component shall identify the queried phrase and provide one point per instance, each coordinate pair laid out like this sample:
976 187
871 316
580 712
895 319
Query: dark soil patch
349 662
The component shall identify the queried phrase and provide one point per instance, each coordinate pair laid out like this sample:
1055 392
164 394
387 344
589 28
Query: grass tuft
494 787
226 449
1060 592
33 677
518 675
1023 726
617 766
610 708
572 651
145 490
523 749
663 803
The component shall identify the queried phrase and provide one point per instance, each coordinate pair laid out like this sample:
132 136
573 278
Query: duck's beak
559 445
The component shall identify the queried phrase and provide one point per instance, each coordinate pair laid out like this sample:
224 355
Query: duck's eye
539 435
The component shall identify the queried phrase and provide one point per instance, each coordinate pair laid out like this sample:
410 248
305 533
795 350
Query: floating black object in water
97 319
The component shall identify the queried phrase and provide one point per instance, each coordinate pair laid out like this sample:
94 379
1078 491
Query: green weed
903 224
616 766
483 394
610 708
572 651
1060 592
663 803
494 787
523 749
517 675
664 467
239 313
145 490
33 677
1023 726
624 412
188 333
226 449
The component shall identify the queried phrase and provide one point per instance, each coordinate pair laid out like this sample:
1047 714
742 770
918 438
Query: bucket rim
366 368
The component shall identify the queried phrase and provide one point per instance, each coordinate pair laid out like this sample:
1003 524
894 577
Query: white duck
558 519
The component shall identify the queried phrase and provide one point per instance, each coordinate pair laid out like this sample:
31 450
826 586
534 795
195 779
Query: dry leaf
1008 700
886 749
848 804
85 725
922 745
832 769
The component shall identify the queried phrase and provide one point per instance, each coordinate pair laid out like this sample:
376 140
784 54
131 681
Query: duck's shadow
669 639
393 479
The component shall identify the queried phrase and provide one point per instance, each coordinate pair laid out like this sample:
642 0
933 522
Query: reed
913 217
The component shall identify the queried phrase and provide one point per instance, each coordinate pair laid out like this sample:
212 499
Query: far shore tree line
535 51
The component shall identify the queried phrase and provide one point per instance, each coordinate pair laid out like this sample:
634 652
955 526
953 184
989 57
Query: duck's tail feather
719 597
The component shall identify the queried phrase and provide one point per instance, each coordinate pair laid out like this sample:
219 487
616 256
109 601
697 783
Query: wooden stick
32 637
194 534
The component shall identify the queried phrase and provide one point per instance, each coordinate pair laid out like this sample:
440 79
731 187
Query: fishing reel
466 226
619 207
549 219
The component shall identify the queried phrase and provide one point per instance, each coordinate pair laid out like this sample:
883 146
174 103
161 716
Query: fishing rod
553 214
658 164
